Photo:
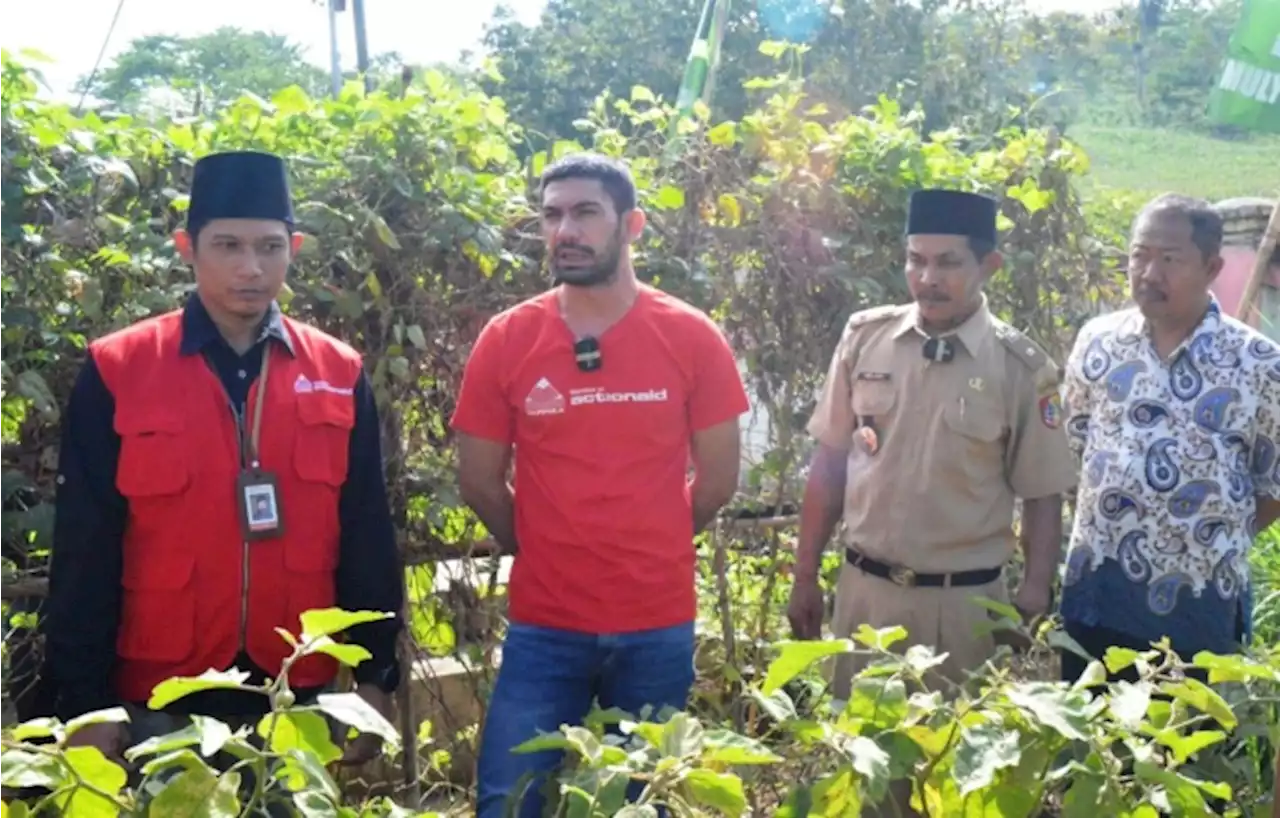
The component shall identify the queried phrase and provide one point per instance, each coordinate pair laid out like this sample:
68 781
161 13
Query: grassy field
1157 161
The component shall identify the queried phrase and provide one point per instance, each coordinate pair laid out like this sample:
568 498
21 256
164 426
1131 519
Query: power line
101 53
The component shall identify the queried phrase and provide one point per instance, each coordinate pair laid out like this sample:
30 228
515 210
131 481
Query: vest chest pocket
323 437
153 456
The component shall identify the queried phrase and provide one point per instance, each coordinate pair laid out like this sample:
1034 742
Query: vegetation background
777 211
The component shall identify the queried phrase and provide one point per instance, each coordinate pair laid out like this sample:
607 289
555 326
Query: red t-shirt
602 507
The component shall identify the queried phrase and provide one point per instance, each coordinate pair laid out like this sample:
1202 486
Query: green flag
1248 91
704 55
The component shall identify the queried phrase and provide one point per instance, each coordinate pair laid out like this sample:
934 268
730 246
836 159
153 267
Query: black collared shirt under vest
83 612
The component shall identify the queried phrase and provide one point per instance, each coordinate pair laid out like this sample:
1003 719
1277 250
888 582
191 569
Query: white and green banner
1248 91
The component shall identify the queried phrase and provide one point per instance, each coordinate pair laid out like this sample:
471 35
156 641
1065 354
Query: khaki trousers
943 618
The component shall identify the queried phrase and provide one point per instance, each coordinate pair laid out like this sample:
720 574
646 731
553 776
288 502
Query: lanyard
256 424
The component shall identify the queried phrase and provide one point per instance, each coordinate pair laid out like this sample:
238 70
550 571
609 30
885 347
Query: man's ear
636 221
186 245
295 243
1215 267
992 264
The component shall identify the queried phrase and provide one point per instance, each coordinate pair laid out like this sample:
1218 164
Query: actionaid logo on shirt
598 395
304 385
543 399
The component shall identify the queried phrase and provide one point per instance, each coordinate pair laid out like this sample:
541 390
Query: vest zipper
244 463
244 546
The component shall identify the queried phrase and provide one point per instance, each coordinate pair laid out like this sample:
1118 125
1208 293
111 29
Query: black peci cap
952 213
239 185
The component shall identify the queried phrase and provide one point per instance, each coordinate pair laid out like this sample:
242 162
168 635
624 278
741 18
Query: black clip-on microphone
587 353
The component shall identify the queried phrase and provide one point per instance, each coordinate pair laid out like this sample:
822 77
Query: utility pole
335 57
362 44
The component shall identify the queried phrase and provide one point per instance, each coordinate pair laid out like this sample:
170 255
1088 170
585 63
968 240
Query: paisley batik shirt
1174 454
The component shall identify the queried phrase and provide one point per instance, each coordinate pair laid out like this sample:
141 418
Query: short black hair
613 176
1206 221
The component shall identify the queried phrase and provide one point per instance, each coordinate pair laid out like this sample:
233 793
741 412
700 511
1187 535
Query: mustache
933 295
574 248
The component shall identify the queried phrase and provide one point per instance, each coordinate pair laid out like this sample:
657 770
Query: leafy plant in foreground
997 747
207 768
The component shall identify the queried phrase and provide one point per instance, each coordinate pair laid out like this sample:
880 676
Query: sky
420 30
71 32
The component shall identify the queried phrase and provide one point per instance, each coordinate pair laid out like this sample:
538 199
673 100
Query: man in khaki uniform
933 417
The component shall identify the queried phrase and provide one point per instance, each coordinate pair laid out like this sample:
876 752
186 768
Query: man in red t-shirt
605 389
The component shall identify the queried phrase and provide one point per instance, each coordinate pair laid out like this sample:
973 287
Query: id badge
259 499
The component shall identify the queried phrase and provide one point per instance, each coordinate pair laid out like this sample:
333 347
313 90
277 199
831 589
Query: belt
908 578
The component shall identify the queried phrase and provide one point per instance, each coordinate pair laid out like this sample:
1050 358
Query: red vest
194 593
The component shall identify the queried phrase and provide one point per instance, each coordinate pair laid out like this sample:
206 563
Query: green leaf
93 768
727 747
729 206
416 337
879 702
348 654
385 235
291 100
1128 703
1234 668
1184 747
171 690
1204 698
669 197
1118 659
773 48
869 761
312 804
639 93
31 385
777 705
34 728
351 709
23 769
1183 793
190 794
637 811
681 736
1061 710
722 791
795 657
111 715
299 730
723 135
881 639
983 751
328 621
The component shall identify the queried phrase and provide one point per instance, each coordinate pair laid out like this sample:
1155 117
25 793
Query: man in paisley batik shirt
1174 410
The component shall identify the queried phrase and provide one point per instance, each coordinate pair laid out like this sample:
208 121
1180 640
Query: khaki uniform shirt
957 441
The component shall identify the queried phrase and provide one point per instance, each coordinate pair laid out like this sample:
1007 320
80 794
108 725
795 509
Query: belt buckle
902 576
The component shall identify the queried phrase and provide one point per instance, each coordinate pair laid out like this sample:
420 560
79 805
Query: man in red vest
220 473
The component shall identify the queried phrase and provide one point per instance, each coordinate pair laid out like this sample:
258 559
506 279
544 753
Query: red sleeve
718 393
483 409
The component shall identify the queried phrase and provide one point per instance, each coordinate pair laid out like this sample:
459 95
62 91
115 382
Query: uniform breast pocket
975 432
873 400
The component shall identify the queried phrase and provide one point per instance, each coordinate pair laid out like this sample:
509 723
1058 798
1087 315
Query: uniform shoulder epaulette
1022 347
875 315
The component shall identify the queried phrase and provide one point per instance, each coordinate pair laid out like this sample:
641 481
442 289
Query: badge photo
259 503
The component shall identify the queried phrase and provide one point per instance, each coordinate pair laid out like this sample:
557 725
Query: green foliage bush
419 228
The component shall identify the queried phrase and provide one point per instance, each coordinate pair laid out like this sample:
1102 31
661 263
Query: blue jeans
550 677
